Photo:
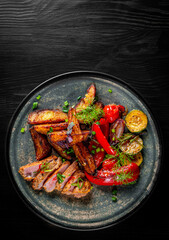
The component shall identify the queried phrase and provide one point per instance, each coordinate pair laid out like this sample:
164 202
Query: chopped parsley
50 130
35 105
60 178
22 130
78 183
38 97
65 107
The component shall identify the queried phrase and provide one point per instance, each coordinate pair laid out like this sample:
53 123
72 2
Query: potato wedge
45 128
60 137
84 157
88 99
42 147
60 150
46 116
75 130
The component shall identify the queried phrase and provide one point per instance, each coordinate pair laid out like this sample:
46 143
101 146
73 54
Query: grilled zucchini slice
136 121
132 146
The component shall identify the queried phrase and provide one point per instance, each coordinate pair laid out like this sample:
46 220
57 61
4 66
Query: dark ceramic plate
97 209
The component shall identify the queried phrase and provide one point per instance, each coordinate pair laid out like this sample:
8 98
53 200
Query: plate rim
62 77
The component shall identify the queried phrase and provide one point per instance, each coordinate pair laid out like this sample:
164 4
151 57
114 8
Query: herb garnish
38 97
60 178
90 114
50 130
35 105
22 130
65 107
78 183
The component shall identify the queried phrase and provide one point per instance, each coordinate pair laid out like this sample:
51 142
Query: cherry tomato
111 112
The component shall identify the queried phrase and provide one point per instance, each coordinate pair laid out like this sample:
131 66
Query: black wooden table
128 39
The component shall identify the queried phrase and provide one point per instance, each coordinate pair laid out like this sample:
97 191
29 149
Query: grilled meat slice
50 184
46 116
45 172
78 193
29 171
42 147
88 99
66 176
71 184
45 128
84 157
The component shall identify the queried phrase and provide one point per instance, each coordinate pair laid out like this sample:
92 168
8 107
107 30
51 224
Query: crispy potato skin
59 149
42 147
45 128
46 116
76 131
61 136
84 157
88 99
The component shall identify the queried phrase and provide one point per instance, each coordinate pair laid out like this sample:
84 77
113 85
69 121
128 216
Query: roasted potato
45 128
59 137
88 99
42 147
46 116
75 130
84 157
60 151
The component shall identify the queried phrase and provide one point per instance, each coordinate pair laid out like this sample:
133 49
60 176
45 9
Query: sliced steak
78 193
66 176
45 172
29 171
50 184
71 184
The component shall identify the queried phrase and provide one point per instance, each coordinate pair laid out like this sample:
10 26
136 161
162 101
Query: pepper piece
121 176
100 137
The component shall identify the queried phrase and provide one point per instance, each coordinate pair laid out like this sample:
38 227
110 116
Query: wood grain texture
128 39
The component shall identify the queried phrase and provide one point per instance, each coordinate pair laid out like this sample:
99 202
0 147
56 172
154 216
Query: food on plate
46 116
53 174
87 100
95 143
136 121
29 171
46 128
45 171
85 157
63 139
42 146
132 145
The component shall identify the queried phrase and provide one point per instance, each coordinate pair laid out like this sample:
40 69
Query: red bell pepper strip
102 140
104 125
98 157
120 176
109 163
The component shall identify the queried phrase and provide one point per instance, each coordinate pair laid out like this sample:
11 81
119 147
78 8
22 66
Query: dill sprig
90 114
